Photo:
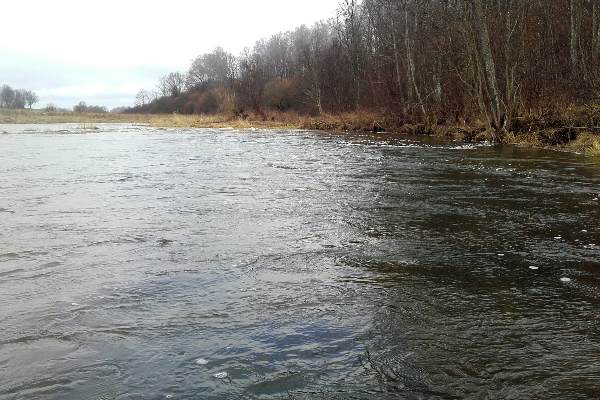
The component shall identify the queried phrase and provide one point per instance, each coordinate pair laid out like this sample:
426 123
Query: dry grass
344 122
220 121
586 143
348 121
356 121
42 117
550 130
267 120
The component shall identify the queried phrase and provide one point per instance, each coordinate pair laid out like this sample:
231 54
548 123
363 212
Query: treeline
83 107
16 98
420 61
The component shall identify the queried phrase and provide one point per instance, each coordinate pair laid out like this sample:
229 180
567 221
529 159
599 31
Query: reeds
586 143
88 126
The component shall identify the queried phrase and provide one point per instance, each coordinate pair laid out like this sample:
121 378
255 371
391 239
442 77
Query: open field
358 121
58 117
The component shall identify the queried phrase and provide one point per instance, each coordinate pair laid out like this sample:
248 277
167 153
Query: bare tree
595 32
19 100
575 21
217 67
31 98
80 107
309 46
491 94
171 84
349 33
7 96
414 60
142 98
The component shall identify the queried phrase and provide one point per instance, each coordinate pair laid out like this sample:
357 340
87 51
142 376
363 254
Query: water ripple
297 264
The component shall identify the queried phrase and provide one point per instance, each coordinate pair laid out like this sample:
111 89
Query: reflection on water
144 263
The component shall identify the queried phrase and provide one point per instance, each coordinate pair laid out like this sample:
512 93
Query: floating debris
164 242
500 254
557 237
75 304
201 361
533 267
221 375
565 279
584 230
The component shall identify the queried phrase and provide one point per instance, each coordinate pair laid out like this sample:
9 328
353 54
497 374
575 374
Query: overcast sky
103 52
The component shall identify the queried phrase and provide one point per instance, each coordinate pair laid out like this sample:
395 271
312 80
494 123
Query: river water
138 263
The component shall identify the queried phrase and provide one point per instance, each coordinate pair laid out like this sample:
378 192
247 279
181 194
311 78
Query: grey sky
104 52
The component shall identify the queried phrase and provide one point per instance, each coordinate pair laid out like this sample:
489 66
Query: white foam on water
533 267
500 254
565 279
221 375
557 237
201 361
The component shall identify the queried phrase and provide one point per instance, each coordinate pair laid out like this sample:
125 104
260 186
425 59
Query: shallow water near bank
139 263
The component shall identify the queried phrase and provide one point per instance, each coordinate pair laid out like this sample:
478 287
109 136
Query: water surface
138 263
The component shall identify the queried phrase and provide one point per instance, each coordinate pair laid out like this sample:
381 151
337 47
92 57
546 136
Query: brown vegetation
507 71
52 117
573 130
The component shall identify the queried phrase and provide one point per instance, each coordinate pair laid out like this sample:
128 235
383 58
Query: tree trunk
574 36
595 34
510 64
411 64
489 69
396 56
409 74
437 80
319 105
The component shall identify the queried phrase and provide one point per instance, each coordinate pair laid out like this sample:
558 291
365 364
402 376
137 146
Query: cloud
100 49
64 84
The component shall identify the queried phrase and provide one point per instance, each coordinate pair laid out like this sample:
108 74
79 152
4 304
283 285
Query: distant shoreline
532 132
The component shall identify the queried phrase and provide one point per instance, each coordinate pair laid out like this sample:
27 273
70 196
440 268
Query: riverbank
574 129
65 117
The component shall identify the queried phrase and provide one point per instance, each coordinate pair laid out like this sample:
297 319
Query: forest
428 62
16 98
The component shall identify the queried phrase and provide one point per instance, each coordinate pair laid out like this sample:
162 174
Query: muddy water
138 263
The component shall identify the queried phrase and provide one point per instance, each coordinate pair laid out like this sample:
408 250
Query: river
143 263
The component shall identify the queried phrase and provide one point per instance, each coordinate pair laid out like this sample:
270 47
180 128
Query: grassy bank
59 117
573 129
